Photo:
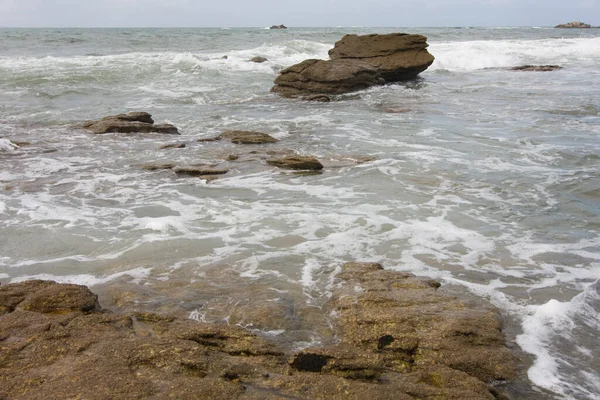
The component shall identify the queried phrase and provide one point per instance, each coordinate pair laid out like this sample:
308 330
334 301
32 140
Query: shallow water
484 178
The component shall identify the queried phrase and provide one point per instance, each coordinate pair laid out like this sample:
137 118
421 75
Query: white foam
473 55
136 275
7 145
543 326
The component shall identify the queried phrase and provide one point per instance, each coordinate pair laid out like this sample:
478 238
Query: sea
484 178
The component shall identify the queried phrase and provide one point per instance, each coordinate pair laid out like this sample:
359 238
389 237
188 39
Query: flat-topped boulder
356 63
574 24
133 122
397 56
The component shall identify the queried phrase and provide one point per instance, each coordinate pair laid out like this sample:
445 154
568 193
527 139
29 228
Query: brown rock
195 170
536 68
154 167
296 162
258 59
356 62
397 56
50 349
173 146
133 122
247 137
314 78
47 297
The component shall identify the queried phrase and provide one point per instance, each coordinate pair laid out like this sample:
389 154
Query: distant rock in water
278 27
574 24
356 63
536 68
258 59
133 122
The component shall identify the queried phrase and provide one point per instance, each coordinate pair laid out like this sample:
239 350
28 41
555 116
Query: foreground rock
399 339
133 122
537 68
356 62
574 24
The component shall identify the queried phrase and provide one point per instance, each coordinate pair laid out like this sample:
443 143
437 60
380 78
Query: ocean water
484 178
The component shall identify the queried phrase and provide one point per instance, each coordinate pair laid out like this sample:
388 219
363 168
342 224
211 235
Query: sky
262 13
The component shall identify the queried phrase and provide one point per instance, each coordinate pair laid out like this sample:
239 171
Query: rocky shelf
399 337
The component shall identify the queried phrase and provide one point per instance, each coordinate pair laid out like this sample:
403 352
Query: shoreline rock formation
133 122
399 338
356 63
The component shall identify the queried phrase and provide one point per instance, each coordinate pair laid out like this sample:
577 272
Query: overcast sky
259 13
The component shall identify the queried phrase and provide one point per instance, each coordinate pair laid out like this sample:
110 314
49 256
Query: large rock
356 62
574 24
399 338
397 56
318 77
133 122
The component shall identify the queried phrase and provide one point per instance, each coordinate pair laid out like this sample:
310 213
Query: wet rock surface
296 163
133 122
356 62
247 137
398 338
537 68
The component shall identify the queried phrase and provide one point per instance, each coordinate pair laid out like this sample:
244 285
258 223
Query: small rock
247 137
278 27
133 122
173 146
296 162
536 68
258 59
154 167
198 170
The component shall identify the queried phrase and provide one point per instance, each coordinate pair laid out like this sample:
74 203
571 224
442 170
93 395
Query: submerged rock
247 137
133 122
574 24
536 68
296 162
356 62
258 59
173 146
399 338
199 170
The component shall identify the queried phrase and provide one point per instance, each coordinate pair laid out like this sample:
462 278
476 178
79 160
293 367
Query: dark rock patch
258 59
194 170
133 122
536 68
278 27
296 162
173 146
247 137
